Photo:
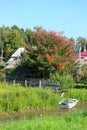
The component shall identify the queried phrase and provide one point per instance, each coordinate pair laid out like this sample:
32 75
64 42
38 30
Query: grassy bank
71 121
17 98
80 94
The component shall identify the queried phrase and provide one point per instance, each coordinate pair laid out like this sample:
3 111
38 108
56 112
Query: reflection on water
82 106
28 114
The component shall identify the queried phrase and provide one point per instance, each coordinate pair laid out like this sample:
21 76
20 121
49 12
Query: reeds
80 94
17 98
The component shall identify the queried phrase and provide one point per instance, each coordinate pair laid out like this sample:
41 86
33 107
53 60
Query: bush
83 74
65 80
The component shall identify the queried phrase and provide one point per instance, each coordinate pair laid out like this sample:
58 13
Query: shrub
83 74
65 80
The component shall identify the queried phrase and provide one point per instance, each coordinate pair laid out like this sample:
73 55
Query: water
28 114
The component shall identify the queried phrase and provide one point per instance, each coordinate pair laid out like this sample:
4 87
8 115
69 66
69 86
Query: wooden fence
35 83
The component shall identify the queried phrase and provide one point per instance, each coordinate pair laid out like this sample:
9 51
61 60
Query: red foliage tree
49 51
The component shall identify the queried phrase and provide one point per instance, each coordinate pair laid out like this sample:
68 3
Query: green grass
80 85
71 121
17 98
80 94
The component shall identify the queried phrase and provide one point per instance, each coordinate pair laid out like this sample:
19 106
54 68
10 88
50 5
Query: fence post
26 83
39 83
14 82
4 80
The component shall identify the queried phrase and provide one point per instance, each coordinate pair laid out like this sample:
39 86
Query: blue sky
69 16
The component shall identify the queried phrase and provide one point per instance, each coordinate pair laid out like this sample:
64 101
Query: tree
10 40
48 52
4 33
38 28
28 33
73 43
81 41
15 40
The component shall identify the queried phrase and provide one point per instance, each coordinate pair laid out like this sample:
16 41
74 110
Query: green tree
28 33
81 41
4 33
10 40
16 38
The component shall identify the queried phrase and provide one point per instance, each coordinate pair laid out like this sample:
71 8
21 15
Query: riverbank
32 113
70 121
18 102
18 98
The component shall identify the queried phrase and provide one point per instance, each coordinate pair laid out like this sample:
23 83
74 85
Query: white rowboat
68 103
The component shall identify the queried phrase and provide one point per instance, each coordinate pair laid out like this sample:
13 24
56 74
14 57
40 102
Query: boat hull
68 103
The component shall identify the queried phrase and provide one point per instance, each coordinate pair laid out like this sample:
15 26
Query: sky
68 16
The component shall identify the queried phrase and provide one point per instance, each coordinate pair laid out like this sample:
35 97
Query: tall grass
80 94
17 98
71 121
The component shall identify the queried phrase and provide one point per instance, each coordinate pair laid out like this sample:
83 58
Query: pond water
28 114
